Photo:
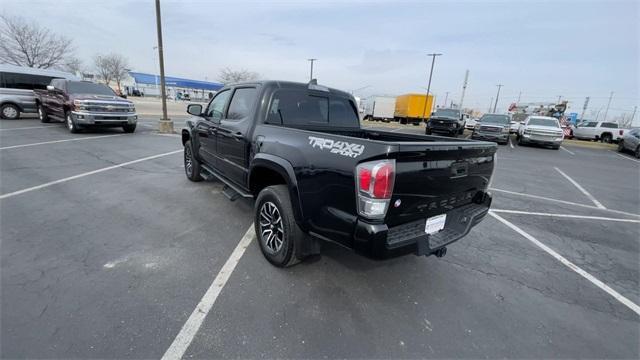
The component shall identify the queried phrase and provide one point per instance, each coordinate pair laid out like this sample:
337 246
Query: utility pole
490 103
497 96
584 108
165 125
607 110
633 116
446 96
464 87
559 98
426 100
519 96
311 74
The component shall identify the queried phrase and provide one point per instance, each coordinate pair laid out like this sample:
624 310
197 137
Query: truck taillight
621 132
375 181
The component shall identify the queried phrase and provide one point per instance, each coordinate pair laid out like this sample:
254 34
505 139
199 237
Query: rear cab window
295 108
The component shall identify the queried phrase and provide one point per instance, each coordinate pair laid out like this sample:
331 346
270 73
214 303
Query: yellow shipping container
410 107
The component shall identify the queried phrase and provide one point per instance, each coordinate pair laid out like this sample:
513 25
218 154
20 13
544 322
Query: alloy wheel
70 122
188 160
271 229
9 112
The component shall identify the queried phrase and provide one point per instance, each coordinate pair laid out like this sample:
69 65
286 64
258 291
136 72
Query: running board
229 188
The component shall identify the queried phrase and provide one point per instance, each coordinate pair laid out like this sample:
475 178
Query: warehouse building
143 84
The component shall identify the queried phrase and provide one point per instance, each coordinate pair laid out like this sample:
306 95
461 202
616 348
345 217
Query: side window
610 125
241 103
591 124
216 106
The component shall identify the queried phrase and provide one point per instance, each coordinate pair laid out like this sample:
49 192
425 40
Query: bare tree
27 44
228 75
72 64
119 67
103 68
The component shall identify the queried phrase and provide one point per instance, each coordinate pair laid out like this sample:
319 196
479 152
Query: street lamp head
434 54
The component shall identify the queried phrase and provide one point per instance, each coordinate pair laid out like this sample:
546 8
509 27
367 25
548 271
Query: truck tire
9 112
129 128
71 124
606 138
42 114
638 152
275 226
621 146
427 131
191 165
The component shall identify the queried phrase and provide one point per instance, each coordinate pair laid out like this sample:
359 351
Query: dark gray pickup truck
315 174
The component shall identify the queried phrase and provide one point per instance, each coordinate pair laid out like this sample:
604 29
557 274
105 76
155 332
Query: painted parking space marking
51 183
61 141
582 190
190 328
625 157
628 303
561 201
570 216
569 151
30 127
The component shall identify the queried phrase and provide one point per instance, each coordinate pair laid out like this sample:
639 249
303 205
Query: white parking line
562 202
510 142
45 185
625 157
628 303
190 328
570 152
582 190
30 127
518 212
59 141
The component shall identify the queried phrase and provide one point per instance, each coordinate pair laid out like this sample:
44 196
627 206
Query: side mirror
50 88
194 109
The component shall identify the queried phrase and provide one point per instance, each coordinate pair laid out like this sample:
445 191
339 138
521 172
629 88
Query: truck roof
291 85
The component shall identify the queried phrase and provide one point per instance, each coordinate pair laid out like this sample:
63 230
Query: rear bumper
104 119
378 241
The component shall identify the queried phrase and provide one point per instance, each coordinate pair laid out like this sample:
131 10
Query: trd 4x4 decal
337 147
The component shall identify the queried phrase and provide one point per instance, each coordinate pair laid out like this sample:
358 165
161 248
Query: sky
539 49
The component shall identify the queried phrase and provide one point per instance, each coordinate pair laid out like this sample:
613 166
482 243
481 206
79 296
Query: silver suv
16 88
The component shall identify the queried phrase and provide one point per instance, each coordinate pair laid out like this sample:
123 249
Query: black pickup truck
298 149
446 121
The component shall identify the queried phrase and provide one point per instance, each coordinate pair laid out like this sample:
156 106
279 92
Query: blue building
149 85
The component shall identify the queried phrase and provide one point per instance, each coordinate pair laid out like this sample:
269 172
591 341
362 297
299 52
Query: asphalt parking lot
108 250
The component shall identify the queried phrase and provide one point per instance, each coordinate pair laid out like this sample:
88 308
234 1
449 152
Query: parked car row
61 96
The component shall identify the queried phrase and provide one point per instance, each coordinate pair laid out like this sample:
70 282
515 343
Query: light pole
165 125
495 106
426 100
311 73
446 97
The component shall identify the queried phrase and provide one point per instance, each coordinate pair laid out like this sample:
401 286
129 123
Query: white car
470 124
542 130
592 130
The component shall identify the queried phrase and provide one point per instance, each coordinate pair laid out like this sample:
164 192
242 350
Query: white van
17 84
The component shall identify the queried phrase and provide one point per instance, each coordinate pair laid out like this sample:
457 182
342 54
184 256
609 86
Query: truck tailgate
434 178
